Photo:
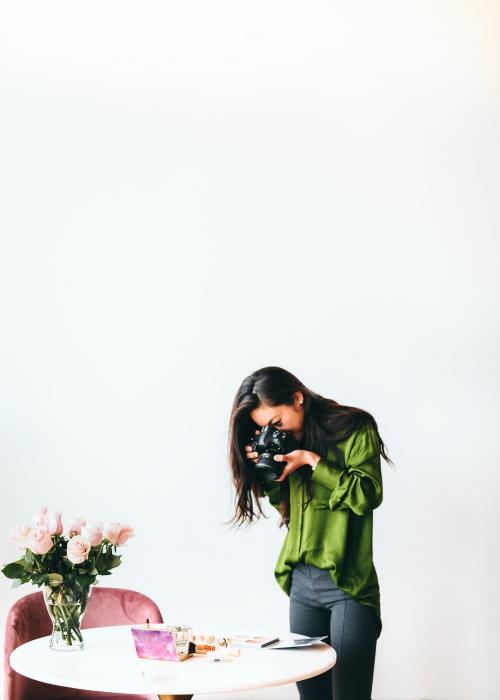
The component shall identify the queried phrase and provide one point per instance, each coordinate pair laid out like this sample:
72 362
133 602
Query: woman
325 495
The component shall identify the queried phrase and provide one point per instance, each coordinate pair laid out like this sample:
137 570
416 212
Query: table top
109 664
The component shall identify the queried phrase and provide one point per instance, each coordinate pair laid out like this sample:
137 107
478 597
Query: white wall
194 190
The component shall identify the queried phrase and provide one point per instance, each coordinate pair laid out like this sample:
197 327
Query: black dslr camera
268 443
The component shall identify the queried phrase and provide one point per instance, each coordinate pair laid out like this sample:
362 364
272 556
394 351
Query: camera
268 443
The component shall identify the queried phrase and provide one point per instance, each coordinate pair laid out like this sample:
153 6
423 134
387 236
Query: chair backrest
28 619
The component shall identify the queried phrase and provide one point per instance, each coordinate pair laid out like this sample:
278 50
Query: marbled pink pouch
155 644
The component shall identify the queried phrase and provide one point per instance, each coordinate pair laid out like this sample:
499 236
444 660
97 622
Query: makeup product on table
163 642
253 641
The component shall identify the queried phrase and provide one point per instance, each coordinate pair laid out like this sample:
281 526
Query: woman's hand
296 459
252 455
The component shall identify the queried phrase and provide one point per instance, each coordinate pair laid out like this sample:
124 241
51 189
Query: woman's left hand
294 460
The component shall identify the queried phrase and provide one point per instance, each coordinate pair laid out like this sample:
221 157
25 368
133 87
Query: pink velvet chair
28 619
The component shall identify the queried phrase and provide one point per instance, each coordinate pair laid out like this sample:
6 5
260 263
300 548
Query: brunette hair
326 422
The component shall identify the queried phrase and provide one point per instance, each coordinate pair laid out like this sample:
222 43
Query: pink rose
111 530
78 549
42 517
126 532
92 531
40 541
75 526
21 535
55 526
117 533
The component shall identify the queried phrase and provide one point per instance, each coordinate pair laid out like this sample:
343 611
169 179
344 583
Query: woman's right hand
252 455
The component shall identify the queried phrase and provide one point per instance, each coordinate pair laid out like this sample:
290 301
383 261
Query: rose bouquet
65 561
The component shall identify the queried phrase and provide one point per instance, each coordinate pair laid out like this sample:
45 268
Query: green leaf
29 558
40 579
114 561
85 581
14 570
54 580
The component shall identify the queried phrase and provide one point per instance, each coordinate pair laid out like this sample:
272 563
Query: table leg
175 697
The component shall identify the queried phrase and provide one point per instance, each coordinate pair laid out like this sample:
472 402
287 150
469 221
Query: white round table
109 663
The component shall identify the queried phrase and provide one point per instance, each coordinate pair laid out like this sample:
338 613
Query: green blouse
334 531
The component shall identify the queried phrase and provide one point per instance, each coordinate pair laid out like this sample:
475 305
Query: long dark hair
325 422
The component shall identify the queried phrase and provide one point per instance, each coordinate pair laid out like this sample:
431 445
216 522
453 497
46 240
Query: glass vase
66 604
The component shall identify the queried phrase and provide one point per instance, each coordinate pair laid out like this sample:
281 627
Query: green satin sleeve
272 491
357 484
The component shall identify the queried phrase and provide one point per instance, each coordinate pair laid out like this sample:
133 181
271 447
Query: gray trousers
318 608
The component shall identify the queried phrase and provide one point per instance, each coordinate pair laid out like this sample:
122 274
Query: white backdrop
194 190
